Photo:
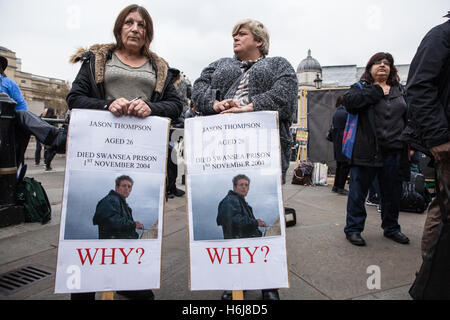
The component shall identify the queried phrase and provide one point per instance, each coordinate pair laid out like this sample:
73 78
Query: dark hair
239 177
120 20
3 65
119 180
339 100
393 78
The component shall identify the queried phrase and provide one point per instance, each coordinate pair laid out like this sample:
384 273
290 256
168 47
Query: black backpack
415 196
33 197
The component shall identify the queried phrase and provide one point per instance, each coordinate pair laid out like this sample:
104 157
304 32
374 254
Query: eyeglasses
385 62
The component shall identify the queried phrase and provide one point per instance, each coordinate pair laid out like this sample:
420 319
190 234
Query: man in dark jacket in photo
237 220
428 93
113 215
235 215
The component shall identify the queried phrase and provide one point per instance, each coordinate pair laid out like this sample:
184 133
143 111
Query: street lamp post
318 82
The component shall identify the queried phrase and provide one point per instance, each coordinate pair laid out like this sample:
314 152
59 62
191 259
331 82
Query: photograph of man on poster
104 211
226 212
113 216
235 215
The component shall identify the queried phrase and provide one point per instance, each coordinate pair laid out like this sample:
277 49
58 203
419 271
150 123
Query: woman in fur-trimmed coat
125 77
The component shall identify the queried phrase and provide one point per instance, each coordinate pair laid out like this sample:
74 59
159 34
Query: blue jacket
428 91
13 91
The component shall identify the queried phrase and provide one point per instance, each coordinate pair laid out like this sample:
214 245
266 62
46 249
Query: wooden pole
238 294
109 295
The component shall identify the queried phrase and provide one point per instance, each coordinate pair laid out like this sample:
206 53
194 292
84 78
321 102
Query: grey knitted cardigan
272 86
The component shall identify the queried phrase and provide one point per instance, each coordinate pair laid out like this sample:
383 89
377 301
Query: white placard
217 149
102 147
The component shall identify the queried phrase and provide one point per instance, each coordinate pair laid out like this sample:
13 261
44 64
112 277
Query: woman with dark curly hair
379 101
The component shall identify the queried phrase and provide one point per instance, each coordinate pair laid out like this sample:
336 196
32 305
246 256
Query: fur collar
100 52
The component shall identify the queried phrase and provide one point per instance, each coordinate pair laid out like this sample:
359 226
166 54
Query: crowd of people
127 78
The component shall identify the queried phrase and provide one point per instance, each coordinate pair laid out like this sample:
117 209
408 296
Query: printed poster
237 238
113 202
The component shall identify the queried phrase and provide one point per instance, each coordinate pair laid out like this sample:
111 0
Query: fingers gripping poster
113 201
236 223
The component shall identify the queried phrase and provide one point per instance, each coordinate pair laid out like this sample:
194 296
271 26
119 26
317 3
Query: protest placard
113 202
235 208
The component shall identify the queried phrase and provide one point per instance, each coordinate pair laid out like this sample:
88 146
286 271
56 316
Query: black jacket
428 91
88 90
272 86
339 121
380 123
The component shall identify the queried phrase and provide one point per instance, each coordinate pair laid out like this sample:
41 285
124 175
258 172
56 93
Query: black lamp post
318 82
10 213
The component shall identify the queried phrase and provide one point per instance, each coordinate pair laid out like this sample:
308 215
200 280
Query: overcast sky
191 34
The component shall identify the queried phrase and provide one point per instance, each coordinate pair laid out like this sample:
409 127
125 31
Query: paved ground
323 265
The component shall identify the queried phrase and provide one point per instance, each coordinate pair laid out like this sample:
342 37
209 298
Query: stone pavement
323 265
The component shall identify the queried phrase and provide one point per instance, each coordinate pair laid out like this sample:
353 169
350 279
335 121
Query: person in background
37 153
27 123
184 89
49 154
378 150
342 163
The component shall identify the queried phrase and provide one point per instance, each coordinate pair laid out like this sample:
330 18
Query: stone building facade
39 91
